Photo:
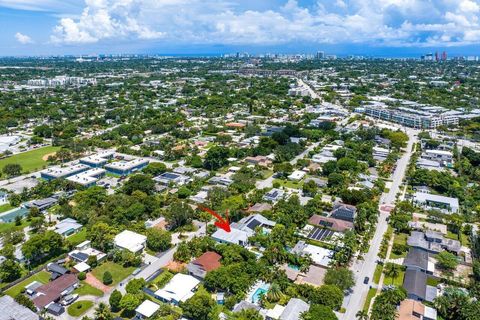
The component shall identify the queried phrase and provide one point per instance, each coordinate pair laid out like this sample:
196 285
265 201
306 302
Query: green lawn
78 308
118 272
30 160
10 226
432 282
289 184
42 277
87 290
5 207
78 237
370 295
377 274
398 281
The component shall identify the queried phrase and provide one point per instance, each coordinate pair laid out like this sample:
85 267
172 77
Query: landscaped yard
397 281
118 272
10 226
31 160
370 295
377 274
289 184
5 207
78 308
399 240
87 290
42 277
78 237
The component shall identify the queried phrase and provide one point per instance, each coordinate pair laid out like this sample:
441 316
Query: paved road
366 267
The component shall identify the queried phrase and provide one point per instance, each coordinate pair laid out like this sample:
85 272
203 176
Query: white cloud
23 38
377 22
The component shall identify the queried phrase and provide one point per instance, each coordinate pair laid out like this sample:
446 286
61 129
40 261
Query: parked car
365 281
69 299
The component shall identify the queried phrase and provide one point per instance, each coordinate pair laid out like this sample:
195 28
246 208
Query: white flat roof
82 267
422 197
180 288
147 308
60 172
126 165
319 255
87 177
130 240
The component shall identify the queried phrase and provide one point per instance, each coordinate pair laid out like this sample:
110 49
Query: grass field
87 290
5 207
78 308
289 184
30 160
10 226
118 272
398 281
42 277
78 237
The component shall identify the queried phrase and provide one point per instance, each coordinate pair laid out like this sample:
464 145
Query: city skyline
377 28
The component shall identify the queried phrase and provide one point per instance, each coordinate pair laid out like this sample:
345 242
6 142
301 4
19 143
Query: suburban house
146 310
259 160
344 212
433 242
250 223
131 241
3 197
56 270
297 175
320 256
418 259
235 236
47 296
13 310
415 282
414 310
434 201
330 223
173 178
67 227
180 288
207 262
260 207
274 195
84 250
292 311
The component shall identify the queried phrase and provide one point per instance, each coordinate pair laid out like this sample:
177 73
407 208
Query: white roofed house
433 201
146 310
131 241
67 227
179 289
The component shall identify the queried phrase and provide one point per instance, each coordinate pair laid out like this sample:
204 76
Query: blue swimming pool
258 294
294 267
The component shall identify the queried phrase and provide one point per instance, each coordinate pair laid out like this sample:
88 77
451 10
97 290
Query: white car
69 299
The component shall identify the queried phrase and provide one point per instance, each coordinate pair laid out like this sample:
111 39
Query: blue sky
368 27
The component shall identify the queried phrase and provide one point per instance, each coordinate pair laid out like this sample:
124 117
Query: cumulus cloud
376 22
23 38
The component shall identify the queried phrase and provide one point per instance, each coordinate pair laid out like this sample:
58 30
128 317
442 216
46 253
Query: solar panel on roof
253 224
327 224
170 176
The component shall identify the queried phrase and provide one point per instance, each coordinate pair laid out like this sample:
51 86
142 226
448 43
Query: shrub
107 278
81 276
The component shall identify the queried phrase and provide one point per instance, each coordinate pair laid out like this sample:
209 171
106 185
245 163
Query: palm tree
392 271
362 315
103 312
274 293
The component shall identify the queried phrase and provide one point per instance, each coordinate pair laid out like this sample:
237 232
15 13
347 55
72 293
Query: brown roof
235 125
209 261
52 291
331 223
408 307
260 207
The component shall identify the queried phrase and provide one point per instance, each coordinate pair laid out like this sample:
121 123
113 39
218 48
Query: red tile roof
209 261
52 291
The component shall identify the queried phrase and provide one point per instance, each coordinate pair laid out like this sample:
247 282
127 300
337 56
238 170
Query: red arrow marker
220 223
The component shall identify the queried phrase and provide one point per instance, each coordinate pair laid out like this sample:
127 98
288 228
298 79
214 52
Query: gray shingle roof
294 309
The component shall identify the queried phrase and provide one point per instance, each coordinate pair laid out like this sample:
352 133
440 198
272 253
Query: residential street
366 267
